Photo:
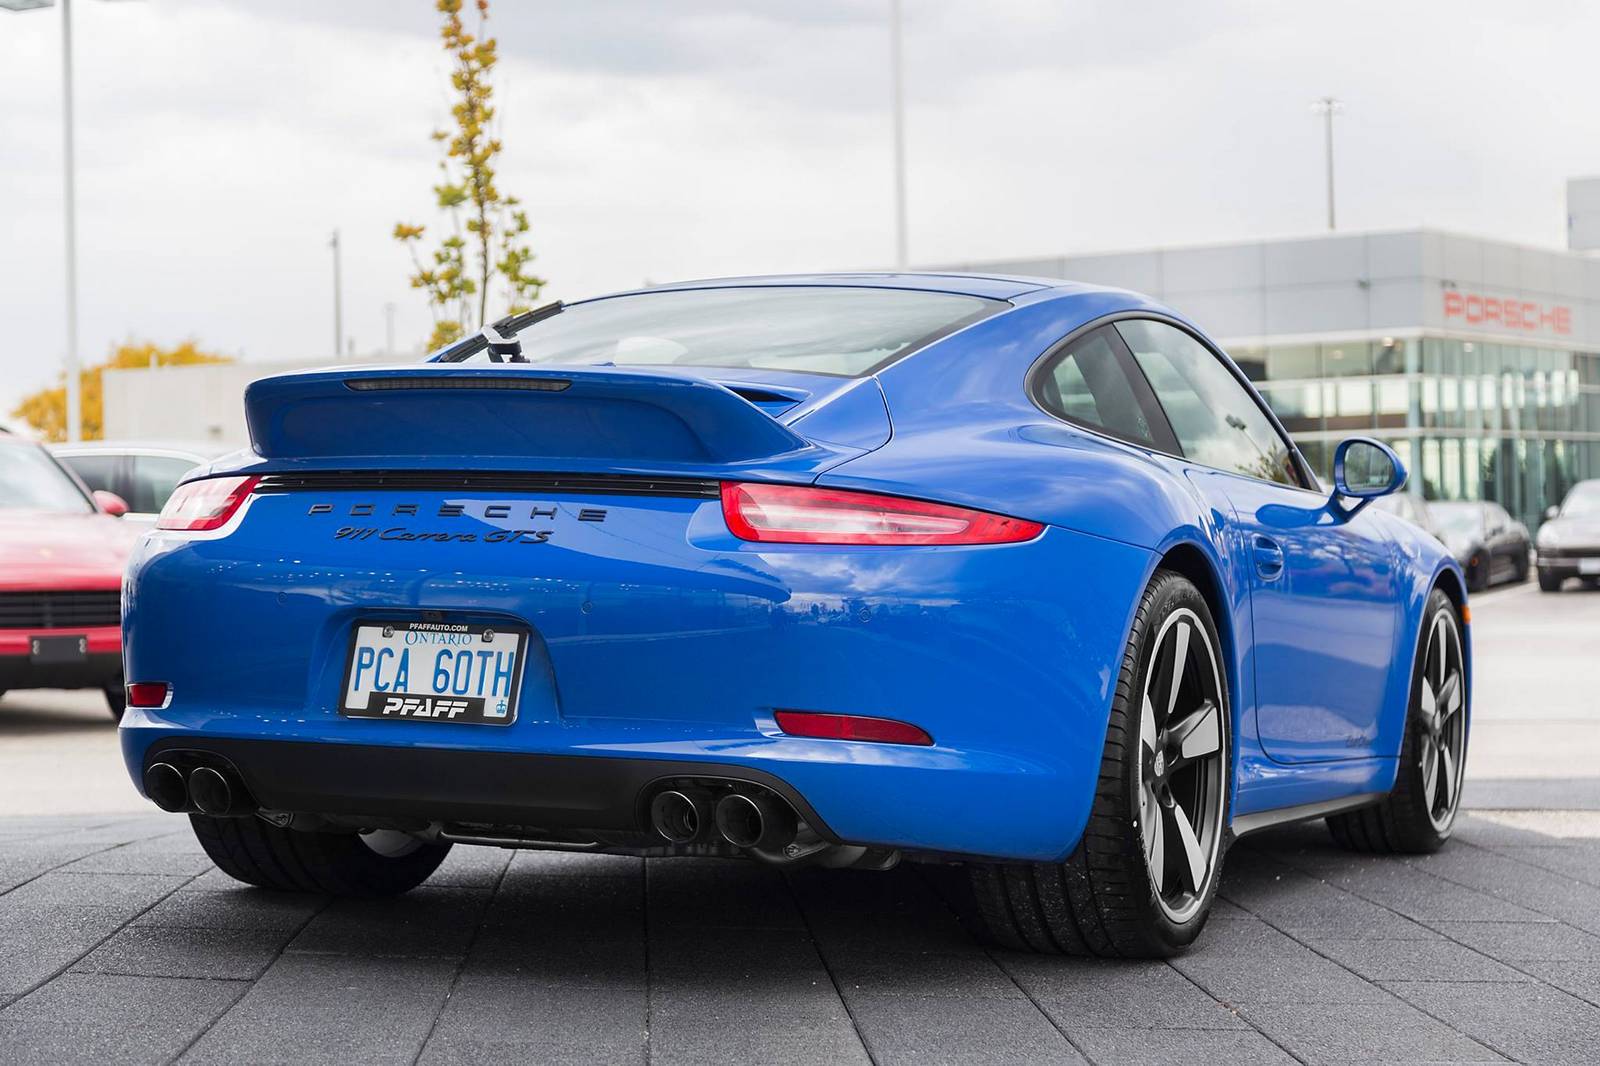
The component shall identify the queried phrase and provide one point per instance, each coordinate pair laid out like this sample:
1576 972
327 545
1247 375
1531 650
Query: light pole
69 186
895 68
1327 107
338 303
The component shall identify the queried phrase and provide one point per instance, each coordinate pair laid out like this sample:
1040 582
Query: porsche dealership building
1476 359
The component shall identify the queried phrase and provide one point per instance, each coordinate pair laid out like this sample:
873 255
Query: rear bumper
551 792
101 664
656 638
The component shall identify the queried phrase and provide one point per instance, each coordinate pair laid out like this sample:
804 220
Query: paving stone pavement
120 943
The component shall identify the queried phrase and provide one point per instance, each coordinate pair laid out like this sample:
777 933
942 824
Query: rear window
817 330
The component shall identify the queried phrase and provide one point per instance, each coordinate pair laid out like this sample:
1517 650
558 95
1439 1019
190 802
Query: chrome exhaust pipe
680 816
214 794
163 784
757 822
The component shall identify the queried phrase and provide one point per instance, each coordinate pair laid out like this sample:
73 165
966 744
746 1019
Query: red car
62 550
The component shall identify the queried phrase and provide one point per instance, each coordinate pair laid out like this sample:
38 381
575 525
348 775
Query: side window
1217 422
154 478
97 471
1086 383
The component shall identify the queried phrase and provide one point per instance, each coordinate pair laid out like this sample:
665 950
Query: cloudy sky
221 142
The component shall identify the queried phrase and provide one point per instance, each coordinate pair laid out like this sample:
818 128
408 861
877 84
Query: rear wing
560 417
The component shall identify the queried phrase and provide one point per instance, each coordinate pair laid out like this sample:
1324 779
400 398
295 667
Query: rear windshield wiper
499 338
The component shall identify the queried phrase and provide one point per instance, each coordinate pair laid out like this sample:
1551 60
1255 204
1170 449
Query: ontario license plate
433 672
1589 566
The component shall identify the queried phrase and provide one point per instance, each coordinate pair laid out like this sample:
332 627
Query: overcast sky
219 143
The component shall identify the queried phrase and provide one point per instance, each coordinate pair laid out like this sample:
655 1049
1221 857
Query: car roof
992 286
202 449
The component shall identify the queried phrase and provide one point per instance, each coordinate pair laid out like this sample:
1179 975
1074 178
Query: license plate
433 672
1589 566
49 651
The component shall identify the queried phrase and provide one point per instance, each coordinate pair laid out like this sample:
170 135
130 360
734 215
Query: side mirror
1551 512
110 503
1364 469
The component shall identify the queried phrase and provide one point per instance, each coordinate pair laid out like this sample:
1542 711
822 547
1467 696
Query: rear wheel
378 863
116 700
1549 582
1419 813
1141 881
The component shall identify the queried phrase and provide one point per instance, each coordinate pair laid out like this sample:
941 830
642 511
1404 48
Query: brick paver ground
120 942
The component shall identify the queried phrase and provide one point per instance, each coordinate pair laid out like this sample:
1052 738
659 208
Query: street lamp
1327 107
899 137
74 397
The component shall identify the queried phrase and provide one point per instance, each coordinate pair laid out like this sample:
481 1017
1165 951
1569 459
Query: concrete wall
1417 279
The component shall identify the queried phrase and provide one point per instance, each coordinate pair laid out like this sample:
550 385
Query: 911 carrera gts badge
487 512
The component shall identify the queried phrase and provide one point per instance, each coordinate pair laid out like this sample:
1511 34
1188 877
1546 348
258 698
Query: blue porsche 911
840 570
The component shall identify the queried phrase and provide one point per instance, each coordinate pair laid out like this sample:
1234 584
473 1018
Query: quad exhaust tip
679 817
757 822
212 793
165 786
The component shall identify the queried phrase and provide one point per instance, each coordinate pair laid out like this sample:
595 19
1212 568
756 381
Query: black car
1569 540
1490 545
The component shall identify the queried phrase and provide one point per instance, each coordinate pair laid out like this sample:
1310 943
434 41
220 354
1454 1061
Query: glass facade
1472 419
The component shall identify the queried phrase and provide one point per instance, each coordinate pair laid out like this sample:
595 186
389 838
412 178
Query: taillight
205 504
850 727
800 514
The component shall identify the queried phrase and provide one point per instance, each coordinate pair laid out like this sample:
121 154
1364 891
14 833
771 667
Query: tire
116 700
1109 898
1549 582
1419 813
336 864
1478 574
1523 566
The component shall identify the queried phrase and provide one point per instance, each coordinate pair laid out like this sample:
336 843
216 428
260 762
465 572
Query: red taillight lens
850 727
800 514
148 693
207 504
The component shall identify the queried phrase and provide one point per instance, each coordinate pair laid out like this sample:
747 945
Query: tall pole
74 385
338 302
1328 106
901 259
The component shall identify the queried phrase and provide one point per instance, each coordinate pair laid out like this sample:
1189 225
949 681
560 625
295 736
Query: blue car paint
1006 654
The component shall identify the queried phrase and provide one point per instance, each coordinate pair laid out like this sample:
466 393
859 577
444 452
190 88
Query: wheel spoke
1147 726
1430 702
1195 865
1430 771
1155 847
1447 778
1180 658
1449 696
1436 639
1198 735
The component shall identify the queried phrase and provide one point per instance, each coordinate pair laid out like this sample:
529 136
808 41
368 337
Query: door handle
1269 557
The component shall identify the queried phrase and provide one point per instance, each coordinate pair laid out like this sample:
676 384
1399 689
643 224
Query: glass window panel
1294 362
1353 359
1215 418
1087 384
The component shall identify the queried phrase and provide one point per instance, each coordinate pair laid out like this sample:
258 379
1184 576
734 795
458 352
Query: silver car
142 473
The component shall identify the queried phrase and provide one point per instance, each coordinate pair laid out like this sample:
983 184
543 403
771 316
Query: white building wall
185 403
1412 280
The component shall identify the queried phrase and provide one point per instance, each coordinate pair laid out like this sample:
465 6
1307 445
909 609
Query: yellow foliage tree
486 242
46 410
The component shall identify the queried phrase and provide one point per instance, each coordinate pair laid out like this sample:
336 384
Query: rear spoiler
566 415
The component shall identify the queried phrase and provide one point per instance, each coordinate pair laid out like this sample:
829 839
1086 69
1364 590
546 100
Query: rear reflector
148 693
850 727
205 504
801 514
